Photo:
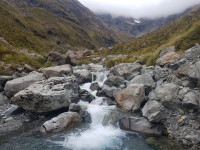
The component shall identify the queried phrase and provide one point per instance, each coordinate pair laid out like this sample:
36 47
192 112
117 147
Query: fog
139 8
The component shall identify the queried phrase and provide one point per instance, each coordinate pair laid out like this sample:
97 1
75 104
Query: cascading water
98 136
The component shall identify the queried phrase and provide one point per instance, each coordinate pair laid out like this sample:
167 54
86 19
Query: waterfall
98 136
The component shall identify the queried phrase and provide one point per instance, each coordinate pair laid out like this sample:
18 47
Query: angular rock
83 75
86 96
3 80
75 107
16 85
141 125
167 94
95 86
131 98
107 91
192 54
114 81
169 57
57 71
194 71
166 50
190 100
145 79
3 100
48 95
62 122
57 58
126 70
154 111
86 117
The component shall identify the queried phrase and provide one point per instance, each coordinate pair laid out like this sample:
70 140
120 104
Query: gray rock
111 118
48 95
86 117
114 81
192 54
3 80
194 71
167 94
57 71
3 99
141 125
190 100
154 111
166 50
107 91
16 85
162 73
83 75
126 70
131 98
62 122
95 86
145 79
75 107
57 58
86 96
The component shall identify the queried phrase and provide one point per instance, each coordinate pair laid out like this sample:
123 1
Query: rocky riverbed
156 101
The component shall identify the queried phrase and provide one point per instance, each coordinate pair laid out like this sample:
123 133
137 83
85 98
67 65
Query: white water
97 136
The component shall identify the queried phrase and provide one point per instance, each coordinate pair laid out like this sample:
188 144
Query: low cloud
139 8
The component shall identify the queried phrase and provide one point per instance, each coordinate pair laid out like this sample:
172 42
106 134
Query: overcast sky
139 8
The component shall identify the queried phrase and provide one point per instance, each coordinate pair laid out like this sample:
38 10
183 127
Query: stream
94 136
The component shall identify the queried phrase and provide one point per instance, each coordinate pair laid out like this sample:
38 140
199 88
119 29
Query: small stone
9 119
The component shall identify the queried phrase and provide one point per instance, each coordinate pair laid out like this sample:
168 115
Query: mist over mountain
139 9
139 27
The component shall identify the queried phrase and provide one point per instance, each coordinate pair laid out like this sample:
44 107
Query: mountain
43 25
138 27
183 33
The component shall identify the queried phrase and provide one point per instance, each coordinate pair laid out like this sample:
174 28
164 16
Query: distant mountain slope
43 25
182 33
139 27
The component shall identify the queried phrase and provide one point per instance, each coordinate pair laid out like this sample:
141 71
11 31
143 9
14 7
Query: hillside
41 25
182 33
139 27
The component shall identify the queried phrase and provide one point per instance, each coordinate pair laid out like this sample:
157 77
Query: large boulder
86 96
145 79
167 94
57 58
3 99
114 81
154 111
57 71
169 57
16 85
107 91
83 75
3 80
190 100
126 70
95 86
142 125
48 95
192 54
166 50
131 98
62 122
194 71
